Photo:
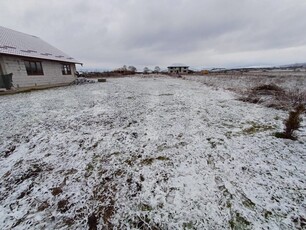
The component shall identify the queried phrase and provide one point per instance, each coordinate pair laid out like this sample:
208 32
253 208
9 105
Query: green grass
149 161
257 128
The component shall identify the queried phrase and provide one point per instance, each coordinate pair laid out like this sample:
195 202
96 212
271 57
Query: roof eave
177 66
40 58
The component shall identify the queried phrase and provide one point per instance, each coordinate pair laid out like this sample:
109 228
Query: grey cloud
111 33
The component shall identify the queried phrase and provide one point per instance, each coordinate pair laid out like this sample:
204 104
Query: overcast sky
200 33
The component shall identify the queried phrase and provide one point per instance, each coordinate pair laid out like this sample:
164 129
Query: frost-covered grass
147 153
242 82
287 89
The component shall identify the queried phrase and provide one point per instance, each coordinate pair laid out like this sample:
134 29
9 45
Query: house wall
52 72
181 70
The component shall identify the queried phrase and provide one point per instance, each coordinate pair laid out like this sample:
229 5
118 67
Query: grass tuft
292 124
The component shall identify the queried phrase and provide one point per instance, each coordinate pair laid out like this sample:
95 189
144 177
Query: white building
178 69
33 62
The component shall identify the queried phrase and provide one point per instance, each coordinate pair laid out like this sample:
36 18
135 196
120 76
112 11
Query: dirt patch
43 206
92 222
104 195
56 191
63 205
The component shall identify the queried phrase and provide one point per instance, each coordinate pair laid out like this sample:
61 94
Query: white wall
52 72
178 69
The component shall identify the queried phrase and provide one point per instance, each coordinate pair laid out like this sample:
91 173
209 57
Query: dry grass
276 89
292 124
274 96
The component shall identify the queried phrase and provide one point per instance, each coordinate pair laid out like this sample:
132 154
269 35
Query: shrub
271 87
296 96
292 123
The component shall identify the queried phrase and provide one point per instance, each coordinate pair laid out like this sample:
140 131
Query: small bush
273 96
270 87
292 123
296 97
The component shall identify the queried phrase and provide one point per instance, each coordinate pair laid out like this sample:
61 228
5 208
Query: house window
66 70
34 67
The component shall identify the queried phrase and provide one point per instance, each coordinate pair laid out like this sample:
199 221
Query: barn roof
178 65
16 43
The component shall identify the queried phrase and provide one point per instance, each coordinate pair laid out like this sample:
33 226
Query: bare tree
156 69
146 70
132 68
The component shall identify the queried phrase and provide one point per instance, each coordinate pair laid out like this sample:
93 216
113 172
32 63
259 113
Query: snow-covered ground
295 81
147 153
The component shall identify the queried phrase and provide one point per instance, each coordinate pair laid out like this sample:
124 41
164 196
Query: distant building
33 62
178 69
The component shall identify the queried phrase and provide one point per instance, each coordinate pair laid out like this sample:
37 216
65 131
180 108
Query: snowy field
147 153
295 81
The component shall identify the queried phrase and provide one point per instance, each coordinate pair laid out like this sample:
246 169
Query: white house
33 62
178 69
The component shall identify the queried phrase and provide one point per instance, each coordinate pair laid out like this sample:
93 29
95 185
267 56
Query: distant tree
122 70
132 68
146 70
156 69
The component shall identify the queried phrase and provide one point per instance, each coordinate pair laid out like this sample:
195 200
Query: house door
1 71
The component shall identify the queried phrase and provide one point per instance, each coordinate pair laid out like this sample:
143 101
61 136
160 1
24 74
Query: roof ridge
20 32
